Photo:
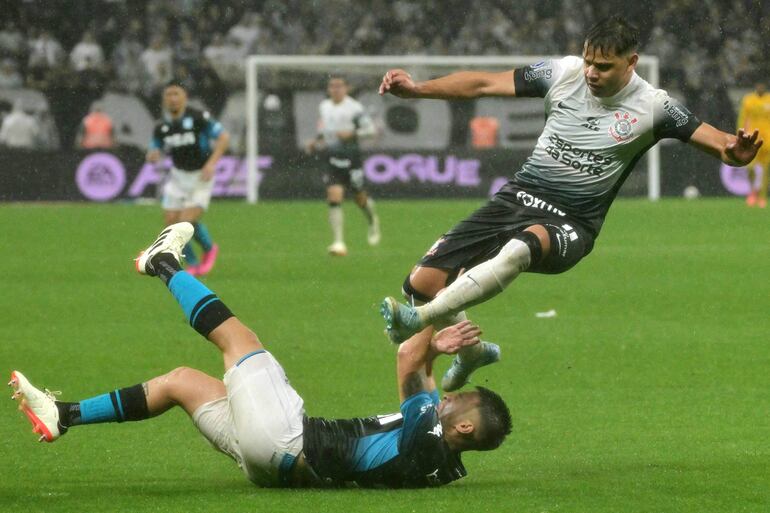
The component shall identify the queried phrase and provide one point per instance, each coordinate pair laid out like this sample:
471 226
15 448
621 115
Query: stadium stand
74 53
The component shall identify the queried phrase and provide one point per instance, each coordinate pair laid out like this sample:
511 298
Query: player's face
454 406
174 99
606 73
337 89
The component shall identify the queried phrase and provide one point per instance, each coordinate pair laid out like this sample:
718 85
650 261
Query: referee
195 141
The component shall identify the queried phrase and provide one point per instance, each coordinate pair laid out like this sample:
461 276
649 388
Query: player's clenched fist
399 83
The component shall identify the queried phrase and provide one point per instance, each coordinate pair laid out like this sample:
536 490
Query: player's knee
413 295
522 251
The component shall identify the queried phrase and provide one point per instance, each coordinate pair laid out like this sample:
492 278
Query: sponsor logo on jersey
579 159
679 115
564 106
592 123
531 74
187 123
433 478
176 140
623 127
437 431
528 200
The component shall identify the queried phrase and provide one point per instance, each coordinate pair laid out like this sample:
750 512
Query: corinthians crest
623 127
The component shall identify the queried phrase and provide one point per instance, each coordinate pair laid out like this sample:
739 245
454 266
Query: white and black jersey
589 144
347 115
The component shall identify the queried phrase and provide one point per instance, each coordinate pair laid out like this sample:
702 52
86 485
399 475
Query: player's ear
633 60
465 427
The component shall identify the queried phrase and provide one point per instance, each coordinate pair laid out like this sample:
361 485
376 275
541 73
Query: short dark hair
495 420
613 35
337 76
175 83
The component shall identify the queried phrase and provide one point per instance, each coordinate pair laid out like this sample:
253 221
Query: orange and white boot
39 406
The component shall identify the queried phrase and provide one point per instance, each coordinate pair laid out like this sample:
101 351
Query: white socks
336 222
482 282
368 210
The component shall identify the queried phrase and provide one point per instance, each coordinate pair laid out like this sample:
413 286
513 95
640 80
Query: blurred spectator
246 33
127 61
44 51
12 41
187 50
226 59
87 53
211 88
9 77
19 129
96 130
157 60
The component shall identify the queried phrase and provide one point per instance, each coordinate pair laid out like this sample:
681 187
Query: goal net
423 147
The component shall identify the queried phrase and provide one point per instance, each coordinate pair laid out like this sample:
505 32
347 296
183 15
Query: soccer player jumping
601 118
254 415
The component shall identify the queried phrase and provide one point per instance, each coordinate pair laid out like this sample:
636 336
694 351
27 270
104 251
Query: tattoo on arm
412 384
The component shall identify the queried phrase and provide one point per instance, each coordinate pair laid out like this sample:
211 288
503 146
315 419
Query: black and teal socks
125 404
189 255
202 236
165 266
203 309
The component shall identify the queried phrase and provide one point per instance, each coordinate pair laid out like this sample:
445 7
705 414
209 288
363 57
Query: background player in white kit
601 118
342 122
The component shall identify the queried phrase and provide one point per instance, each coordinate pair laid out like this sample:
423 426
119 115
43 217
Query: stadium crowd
75 51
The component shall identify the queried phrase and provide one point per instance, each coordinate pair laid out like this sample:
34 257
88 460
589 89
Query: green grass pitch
648 392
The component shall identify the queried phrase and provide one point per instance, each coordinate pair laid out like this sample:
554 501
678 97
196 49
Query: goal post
648 67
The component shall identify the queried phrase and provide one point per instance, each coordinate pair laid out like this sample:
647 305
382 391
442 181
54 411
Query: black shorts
346 172
482 235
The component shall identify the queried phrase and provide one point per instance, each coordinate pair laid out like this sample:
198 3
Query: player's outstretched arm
416 355
734 150
460 85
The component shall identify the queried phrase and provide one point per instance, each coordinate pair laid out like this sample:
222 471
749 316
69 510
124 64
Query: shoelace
51 394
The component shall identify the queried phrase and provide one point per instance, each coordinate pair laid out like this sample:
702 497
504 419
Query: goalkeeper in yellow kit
755 115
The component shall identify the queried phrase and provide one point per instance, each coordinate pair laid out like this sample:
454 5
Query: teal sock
202 236
203 309
128 403
189 254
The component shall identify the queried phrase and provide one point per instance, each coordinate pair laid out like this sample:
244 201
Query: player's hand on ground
207 171
744 148
153 156
398 83
455 337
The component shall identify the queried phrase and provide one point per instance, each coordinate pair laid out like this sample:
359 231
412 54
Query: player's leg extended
335 194
366 204
425 283
50 418
477 285
202 236
206 313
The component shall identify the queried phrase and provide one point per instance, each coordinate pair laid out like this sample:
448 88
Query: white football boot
171 240
373 236
338 249
459 373
39 407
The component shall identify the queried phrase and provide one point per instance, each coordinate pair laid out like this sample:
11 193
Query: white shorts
185 189
259 423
